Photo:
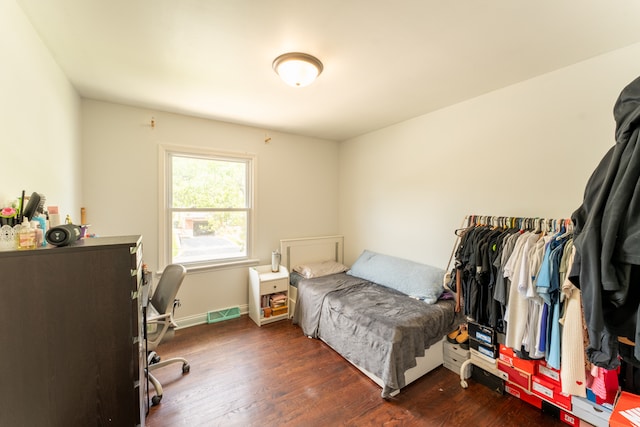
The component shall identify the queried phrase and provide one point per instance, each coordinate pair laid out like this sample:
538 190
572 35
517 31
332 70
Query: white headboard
311 249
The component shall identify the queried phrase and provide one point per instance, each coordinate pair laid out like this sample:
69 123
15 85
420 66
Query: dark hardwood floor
243 375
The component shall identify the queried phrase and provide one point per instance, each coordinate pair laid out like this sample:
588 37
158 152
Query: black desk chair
160 324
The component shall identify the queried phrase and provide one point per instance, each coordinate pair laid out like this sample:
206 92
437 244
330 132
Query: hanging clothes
519 308
572 372
511 281
478 260
607 238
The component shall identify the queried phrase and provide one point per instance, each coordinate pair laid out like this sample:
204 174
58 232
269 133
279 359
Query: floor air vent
224 314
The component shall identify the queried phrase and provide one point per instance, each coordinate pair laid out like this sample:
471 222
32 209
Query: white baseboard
201 318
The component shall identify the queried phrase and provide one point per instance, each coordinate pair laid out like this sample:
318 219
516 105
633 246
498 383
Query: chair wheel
155 359
156 400
186 368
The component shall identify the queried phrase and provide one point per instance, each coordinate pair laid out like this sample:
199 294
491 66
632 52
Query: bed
393 336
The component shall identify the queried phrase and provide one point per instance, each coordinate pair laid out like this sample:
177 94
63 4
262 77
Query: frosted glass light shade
297 69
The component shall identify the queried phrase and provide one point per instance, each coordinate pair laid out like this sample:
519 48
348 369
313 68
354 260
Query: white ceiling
384 61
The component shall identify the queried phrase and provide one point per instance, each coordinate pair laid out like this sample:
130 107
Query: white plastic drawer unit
455 349
454 356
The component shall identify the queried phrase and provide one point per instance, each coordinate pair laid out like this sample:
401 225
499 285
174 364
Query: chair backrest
167 289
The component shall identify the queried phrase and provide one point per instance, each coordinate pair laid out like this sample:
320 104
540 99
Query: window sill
202 268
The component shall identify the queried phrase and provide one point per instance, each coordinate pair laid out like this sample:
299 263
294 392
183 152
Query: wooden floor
243 375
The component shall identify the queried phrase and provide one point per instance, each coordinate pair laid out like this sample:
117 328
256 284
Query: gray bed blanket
374 327
311 294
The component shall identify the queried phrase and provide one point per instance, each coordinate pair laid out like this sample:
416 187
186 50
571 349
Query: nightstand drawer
272 286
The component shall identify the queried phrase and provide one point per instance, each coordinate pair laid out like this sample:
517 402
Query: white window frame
165 213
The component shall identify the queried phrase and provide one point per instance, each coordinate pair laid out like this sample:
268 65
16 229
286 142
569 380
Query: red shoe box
522 394
548 373
550 392
516 376
570 419
507 355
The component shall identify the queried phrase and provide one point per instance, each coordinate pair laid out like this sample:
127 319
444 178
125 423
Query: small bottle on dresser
26 236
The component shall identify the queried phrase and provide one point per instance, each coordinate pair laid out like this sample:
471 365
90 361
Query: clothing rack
523 223
550 225
562 227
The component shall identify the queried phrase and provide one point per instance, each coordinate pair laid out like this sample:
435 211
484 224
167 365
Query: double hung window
207 207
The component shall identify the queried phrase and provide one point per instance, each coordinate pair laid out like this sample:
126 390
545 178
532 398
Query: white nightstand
263 285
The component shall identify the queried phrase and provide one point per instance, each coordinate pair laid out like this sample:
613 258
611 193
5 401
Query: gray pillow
409 277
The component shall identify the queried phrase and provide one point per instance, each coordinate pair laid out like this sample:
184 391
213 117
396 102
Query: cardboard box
487 379
278 311
475 355
490 365
625 405
550 392
569 419
491 351
522 394
515 375
551 410
481 333
559 414
507 355
549 373
591 412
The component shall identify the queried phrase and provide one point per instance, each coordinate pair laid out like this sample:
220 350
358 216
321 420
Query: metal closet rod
523 223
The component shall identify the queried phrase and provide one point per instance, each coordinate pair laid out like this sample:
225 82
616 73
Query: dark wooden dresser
71 335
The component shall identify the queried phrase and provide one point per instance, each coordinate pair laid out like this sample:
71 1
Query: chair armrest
158 318
166 320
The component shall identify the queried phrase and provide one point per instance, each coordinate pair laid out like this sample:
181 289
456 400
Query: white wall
39 118
525 150
297 187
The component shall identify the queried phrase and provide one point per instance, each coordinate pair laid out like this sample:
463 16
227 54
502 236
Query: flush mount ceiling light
297 69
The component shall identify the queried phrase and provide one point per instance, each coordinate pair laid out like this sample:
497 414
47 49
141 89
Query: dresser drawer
279 285
136 251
